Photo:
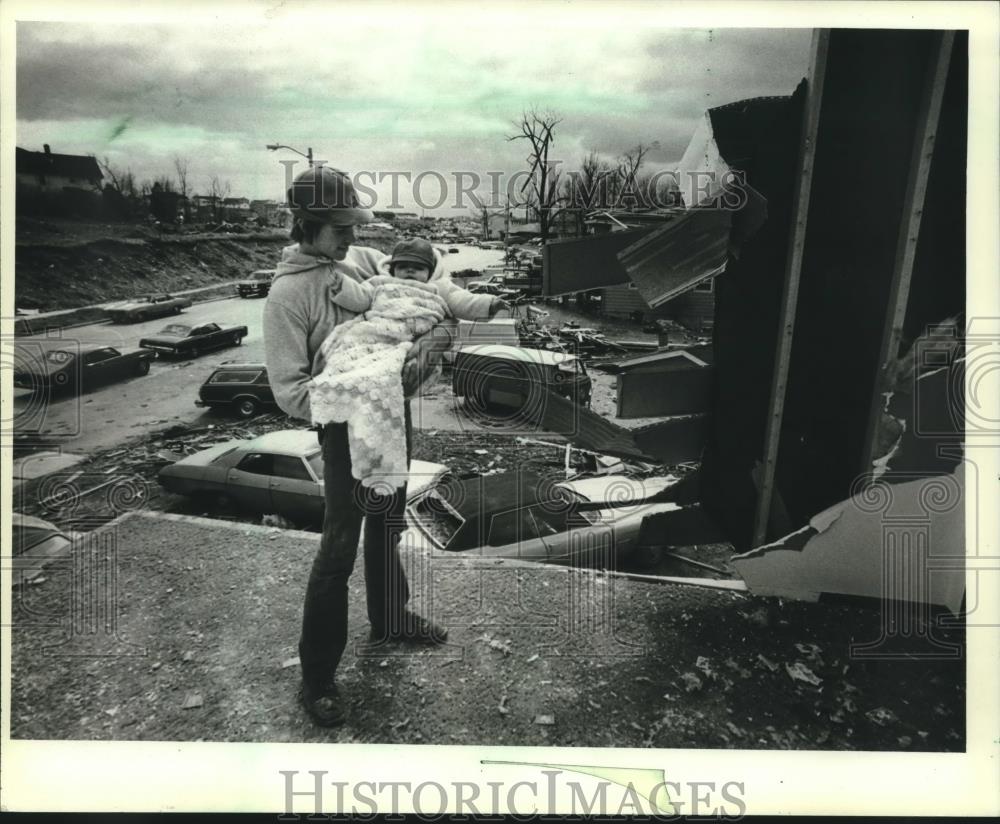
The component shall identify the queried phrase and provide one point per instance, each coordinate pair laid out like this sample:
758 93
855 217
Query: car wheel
237 340
246 407
223 501
177 310
193 352
142 367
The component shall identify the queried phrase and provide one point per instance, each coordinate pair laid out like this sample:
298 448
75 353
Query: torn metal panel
681 387
580 264
903 542
679 255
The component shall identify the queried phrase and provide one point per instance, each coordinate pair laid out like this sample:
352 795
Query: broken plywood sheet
904 542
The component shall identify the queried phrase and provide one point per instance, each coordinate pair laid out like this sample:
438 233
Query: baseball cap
322 194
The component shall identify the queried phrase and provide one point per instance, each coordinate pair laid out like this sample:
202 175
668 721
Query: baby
361 381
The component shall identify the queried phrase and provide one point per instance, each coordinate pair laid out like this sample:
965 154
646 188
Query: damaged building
828 415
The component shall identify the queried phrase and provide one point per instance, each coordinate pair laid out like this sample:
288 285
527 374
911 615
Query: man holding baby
303 308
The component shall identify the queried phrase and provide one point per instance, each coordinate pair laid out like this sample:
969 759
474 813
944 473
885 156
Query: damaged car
522 516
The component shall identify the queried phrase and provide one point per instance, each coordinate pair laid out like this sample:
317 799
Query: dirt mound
57 270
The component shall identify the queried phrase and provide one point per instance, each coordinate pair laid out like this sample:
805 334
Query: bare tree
181 169
628 191
217 190
542 185
588 188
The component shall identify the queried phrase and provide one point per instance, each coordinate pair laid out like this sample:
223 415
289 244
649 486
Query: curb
87 315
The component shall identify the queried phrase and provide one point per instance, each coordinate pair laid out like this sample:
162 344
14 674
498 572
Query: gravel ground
207 620
207 610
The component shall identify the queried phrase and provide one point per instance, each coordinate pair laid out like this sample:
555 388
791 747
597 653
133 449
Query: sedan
516 515
181 340
152 306
80 367
280 472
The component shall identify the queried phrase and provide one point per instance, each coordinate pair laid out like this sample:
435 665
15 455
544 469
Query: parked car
152 306
181 340
510 376
35 544
280 472
486 288
80 367
257 285
518 515
241 387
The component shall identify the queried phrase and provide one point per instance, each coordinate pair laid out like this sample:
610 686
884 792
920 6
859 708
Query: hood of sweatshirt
293 261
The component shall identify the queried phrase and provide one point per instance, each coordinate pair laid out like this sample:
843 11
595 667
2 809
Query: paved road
116 412
107 416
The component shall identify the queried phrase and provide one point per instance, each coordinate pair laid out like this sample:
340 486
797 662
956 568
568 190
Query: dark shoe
414 629
326 709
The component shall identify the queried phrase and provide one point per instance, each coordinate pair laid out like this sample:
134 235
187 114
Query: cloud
442 97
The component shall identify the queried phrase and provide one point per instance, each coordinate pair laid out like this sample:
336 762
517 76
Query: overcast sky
436 94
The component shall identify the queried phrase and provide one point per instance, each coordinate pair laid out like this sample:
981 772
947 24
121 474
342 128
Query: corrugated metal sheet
580 264
679 255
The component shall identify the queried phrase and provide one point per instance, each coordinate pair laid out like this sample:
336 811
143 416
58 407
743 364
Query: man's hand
498 304
425 355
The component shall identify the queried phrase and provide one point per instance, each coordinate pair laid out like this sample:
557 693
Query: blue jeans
324 615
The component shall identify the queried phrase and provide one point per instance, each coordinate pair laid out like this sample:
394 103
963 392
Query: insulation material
901 542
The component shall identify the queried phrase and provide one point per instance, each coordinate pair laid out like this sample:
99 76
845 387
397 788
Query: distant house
205 207
269 212
236 209
695 308
47 171
57 184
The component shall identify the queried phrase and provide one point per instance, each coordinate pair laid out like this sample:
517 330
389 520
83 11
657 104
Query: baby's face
411 271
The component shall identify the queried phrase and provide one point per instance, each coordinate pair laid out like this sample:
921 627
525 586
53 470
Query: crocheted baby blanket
361 382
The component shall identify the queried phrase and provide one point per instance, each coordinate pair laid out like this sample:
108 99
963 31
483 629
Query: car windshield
178 329
58 356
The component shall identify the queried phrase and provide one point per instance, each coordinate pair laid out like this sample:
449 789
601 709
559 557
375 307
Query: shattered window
438 519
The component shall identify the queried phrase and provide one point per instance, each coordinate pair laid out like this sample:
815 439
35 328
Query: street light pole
308 154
